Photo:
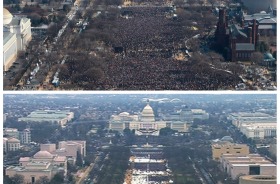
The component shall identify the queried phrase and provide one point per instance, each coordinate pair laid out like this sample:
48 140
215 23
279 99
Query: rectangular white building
259 130
251 164
244 117
254 125
59 116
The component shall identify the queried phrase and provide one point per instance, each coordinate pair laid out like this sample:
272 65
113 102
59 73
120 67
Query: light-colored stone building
218 149
257 179
199 114
11 132
41 164
25 136
186 114
11 144
259 130
254 125
16 36
245 118
252 164
59 116
69 149
145 123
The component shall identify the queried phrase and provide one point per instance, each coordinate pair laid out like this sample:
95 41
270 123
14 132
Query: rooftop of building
33 167
7 16
46 115
60 159
232 156
228 144
198 111
13 140
259 178
10 130
267 20
7 36
236 30
43 155
259 15
74 142
245 46
249 159
250 114
252 164
24 159
264 26
10 20
259 125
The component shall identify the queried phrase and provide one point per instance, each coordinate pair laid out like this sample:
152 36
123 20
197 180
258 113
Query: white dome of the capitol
7 16
148 114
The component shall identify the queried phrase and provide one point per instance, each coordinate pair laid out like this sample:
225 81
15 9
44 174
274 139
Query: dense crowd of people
145 41
160 73
147 38
150 166
147 29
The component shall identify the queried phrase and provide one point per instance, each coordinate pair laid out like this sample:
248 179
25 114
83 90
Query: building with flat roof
186 114
220 148
256 117
41 164
71 145
259 130
11 132
251 164
199 114
254 125
59 116
25 136
11 144
69 149
257 179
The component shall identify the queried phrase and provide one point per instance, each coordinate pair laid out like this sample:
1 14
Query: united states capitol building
145 123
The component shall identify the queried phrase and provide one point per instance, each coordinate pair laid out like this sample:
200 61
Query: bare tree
194 45
257 58
179 3
64 73
94 74
43 180
236 69
52 30
209 20
17 178
191 2
201 2
212 2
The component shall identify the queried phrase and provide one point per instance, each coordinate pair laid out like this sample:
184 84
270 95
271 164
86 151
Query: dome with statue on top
148 114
